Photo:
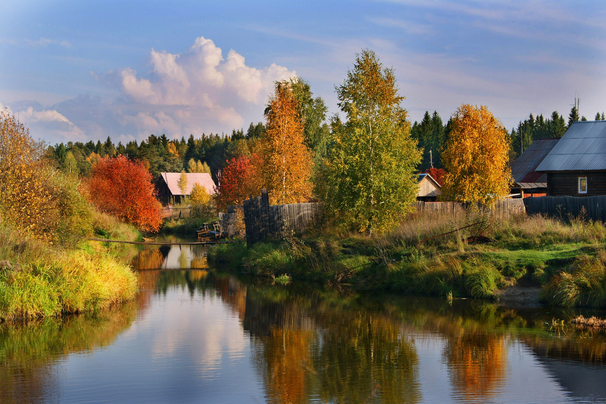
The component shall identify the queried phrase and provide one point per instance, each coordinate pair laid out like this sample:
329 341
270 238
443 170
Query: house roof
523 168
204 179
430 178
582 148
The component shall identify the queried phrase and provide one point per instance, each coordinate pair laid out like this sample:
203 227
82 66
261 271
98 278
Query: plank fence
262 220
502 209
565 207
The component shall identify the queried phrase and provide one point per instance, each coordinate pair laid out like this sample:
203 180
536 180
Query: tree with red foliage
239 179
437 174
123 188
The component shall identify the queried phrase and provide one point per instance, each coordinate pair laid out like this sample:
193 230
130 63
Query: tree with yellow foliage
199 195
25 197
287 161
475 157
182 182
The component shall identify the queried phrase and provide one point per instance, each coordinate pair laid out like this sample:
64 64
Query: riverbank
470 255
42 279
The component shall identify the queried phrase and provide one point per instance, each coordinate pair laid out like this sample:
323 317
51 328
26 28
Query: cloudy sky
81 70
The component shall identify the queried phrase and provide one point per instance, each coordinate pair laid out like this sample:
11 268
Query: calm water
193 336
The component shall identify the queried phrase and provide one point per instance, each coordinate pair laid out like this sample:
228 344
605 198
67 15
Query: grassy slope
45 280
566 259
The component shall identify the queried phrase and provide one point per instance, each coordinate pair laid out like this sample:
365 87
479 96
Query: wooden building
576 166
168 187
527 181
429 189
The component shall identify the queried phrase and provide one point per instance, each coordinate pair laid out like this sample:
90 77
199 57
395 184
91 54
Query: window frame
579 189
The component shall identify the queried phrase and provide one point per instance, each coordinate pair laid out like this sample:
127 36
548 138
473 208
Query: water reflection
28 351
178 256
197 336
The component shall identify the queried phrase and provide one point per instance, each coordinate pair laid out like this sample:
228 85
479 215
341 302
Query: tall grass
432 254
38 279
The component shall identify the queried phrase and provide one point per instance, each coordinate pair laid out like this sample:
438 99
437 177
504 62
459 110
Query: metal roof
523 169
582 148
204 179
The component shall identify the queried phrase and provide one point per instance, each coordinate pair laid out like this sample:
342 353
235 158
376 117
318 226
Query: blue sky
82 70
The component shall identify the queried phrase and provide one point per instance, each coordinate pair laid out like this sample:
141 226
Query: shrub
123 188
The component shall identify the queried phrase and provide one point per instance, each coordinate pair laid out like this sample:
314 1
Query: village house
429 189
576 165
169 191
527 181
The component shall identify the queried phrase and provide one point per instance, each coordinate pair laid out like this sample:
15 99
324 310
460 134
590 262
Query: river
194 335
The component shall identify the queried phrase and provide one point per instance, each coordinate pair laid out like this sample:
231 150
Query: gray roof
523 169
582 148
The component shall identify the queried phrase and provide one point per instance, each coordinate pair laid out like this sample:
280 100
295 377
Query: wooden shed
576 166
527 181
168 187
429 189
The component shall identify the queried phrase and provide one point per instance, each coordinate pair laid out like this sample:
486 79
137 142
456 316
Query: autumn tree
25 200
287 160
182 182
199 195
194 166
239 179
34 197
371 172
476 157
123 188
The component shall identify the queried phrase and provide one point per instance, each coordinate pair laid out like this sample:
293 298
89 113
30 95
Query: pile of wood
592 322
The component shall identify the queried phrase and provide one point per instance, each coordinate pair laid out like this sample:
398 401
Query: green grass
45 280
565 258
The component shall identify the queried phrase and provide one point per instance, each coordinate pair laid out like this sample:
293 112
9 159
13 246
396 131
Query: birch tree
476 157
371 171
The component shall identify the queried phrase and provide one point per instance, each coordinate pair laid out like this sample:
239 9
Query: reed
38 279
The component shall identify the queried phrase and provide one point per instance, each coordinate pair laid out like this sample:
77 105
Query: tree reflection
309 349
28 351
477 365
148 259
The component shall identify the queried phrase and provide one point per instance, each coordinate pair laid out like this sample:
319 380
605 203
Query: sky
88 70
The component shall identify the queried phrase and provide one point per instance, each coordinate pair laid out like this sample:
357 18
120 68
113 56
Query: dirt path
518 295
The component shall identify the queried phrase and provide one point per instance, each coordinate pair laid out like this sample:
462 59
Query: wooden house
527 181
168 186
576 165
429 189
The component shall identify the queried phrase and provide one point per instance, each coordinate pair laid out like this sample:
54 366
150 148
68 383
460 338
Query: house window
582 185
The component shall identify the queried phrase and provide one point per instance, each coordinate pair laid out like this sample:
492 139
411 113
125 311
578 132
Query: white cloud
197 90
44 42
193 92
46 124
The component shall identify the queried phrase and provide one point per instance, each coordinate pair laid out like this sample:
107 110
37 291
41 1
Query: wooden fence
263 221
502 209
564 207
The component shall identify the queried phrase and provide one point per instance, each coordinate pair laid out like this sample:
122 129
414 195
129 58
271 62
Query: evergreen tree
574 116
430 135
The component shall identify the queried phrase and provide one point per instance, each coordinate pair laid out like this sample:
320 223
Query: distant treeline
432 134
161 154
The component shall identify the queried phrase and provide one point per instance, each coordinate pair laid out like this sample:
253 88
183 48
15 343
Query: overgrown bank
440 256
39 279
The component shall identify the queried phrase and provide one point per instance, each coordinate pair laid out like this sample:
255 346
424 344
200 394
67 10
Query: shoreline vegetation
437 255
39 279
47 268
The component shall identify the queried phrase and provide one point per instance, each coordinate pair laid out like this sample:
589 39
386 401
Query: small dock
158 242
